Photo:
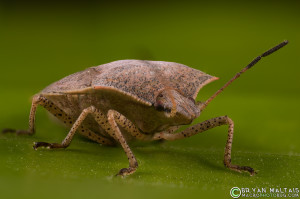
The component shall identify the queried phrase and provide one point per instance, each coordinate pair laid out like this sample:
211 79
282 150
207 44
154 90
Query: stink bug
133 99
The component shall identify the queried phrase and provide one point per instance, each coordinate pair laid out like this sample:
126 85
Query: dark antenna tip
268 52
285 42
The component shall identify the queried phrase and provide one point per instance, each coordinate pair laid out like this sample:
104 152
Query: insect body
149 100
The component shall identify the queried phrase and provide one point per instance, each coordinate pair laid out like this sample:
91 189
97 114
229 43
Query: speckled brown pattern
127 85
140 78
68 120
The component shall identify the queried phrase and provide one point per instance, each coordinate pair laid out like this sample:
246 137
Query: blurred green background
41 42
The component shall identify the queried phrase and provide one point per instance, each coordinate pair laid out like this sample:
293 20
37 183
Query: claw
241 169
126 171
45 144
8 130
23 132
40 144
250 170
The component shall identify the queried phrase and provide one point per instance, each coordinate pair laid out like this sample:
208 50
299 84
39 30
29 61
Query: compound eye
160 107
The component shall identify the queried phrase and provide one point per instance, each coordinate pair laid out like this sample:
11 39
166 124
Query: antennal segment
244 70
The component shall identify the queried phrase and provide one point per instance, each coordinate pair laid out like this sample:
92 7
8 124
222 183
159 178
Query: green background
43 42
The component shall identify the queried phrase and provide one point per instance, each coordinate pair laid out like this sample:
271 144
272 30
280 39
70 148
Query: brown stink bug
133 99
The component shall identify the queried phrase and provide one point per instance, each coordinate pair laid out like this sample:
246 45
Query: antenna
244 70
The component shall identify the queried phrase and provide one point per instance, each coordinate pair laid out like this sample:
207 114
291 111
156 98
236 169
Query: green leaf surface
191 166
42 43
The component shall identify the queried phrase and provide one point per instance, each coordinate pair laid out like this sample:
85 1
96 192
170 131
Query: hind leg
35 102
61 115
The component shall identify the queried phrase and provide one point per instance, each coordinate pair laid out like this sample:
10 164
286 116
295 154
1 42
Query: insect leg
134 131
171 130
109 124
204 126
76 125
35 102
130 127
60 114
69 121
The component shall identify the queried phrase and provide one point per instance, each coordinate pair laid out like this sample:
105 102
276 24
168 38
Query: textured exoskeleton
149 100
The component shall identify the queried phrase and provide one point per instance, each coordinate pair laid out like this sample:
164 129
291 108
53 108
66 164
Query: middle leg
77 124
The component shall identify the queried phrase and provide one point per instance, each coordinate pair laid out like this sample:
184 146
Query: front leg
204 126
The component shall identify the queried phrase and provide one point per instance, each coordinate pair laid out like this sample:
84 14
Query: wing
76 82
144 79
